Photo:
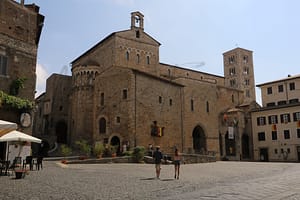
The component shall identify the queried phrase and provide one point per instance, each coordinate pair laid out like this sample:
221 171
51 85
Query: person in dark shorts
157 155
177 159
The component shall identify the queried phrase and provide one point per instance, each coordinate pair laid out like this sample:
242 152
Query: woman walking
176 163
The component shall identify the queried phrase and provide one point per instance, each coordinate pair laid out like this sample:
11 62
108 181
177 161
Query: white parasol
19 136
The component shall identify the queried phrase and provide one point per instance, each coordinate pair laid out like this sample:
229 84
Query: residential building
276 126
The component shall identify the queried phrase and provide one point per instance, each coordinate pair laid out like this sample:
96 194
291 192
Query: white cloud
42 76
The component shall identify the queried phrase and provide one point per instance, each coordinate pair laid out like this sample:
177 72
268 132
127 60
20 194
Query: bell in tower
137 20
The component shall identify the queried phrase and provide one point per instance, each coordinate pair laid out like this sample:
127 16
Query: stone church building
120 94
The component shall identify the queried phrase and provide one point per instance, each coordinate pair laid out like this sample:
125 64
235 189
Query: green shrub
98 149
138 153
84 147
65 150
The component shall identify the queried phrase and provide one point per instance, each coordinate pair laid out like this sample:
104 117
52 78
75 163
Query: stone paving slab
220 180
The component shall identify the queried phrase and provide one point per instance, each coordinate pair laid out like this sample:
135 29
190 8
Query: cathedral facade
120 94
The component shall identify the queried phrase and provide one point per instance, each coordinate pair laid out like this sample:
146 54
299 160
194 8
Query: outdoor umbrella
6 127
19 136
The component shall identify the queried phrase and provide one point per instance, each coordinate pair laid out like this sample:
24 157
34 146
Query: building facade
122 95
20 30
276 126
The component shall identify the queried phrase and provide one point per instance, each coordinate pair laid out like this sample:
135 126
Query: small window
232 83
269 90
271 104
247 82
246 70
280 88
138 58
160 99
245 59
3 65
231 71
127 55
281 103
261 136
102 99
274 135
124 94
285 118
296 116
247 93
261 121
102 125
137 34
148 60
288 150
298 132
192 105
281 150
292 86
273 119
231 59
207 107
118 119
232 98
286 134
275 151
170 102
293 100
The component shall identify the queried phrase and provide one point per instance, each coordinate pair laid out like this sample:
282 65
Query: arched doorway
199 140
115 141
61 129
245 146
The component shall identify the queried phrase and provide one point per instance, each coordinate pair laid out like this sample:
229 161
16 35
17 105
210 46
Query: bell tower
137 21
239 72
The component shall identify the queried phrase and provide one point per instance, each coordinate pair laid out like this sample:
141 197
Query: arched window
127 55
148 60
102 125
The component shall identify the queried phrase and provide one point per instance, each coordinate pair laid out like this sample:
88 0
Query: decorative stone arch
199 140
115 141
61 131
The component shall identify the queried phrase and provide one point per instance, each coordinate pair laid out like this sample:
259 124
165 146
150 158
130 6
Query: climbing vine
15 102
17 84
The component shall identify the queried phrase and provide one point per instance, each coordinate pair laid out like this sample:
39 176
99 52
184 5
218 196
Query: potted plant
138 154
65 151
114 149
99 149
84 148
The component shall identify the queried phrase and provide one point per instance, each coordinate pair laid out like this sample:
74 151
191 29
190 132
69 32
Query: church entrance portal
199 140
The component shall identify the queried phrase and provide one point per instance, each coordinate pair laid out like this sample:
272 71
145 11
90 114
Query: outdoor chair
17 162
4 166
28 161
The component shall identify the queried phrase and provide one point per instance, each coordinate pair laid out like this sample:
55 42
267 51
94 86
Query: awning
19 136
6 127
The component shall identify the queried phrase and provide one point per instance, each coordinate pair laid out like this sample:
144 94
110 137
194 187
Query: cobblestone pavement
220 180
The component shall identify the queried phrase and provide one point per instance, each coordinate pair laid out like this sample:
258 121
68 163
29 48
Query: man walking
157 155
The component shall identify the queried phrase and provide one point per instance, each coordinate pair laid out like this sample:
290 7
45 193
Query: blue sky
190 31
